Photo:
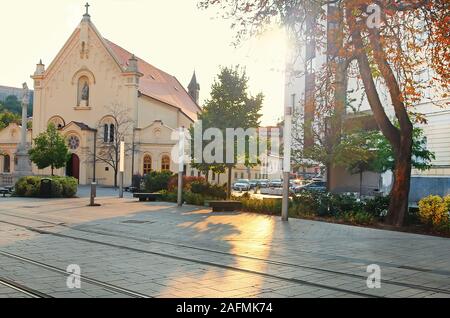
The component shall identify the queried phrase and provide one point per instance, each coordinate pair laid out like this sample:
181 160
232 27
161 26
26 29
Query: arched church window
165 163
112 133
73 142
147 164
83 91
6 164
57 121
105 133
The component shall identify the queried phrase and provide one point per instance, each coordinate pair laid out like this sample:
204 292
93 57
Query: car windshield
242 181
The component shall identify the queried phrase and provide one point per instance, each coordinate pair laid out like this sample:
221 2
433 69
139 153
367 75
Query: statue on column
23 167
26 94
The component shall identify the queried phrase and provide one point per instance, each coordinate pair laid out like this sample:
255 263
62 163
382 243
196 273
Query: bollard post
93 193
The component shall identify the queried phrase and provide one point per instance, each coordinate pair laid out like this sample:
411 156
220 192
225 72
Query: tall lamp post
180 165
122 167
287 161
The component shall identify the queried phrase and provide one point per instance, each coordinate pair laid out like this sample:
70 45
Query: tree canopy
50 150
392 43
230 106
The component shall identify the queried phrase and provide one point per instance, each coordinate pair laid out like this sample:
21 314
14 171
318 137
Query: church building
95 92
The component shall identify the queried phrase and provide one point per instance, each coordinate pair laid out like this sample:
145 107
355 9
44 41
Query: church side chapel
97 94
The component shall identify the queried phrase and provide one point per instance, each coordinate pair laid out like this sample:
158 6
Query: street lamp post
180 165
122 167
287 161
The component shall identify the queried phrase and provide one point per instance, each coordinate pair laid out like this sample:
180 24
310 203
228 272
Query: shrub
157 181
187 182
378 206
208 190
168 196
61 187
194 198
344 203
28 187
306 204
266 206
434 211
358 217
69 186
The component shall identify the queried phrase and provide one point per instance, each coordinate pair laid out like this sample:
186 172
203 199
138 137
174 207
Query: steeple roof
194 85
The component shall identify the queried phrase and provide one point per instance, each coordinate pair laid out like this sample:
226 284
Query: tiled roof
158 84
82 126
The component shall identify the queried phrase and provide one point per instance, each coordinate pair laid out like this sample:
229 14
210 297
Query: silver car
241 185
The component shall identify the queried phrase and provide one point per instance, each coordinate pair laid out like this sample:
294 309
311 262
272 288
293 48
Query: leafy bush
28 187
378 206
169 196
157 181
69 186
358 217
65 187
187 182
208 190
306 203
434 211
266 206
343 203
194 198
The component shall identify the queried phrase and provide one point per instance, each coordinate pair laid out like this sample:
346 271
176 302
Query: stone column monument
23 167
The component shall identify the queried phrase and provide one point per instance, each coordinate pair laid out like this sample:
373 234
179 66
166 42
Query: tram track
271 262
32 293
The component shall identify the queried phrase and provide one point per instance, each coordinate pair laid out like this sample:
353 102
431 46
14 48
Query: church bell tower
194 89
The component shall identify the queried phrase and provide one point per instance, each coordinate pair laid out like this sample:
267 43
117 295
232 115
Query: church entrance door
73 167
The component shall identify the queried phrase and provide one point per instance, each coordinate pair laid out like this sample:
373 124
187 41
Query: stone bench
152 197
225 206
5 191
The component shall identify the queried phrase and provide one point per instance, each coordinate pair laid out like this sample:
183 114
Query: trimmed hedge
62 187
157 181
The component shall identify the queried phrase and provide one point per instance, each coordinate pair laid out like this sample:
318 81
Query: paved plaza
127 248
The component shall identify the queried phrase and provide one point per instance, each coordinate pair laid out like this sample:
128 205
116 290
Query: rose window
74 142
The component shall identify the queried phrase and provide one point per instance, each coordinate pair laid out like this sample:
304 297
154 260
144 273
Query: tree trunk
230 171
399 205
400 139
207 176
115 179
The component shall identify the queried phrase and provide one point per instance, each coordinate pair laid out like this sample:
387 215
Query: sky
173 35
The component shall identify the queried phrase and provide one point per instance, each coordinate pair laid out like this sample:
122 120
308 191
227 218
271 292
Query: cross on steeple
87 8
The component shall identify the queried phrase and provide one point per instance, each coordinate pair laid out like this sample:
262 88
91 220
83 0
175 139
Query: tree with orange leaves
390 42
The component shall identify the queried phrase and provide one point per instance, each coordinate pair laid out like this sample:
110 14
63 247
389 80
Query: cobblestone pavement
132 249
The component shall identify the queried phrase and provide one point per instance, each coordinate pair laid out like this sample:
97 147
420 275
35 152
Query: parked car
264 183
297 185
277 183
317 186
253 184
242 185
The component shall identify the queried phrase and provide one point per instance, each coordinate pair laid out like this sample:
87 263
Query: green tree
393 44
363 151
230 106
7 117
50 150
13 104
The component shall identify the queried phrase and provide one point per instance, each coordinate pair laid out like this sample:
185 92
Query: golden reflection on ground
246 235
